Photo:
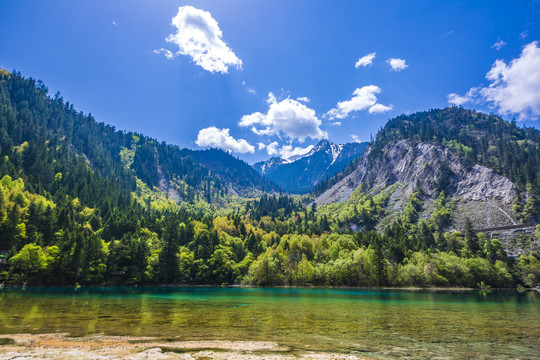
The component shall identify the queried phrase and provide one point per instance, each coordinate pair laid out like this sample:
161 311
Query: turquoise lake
372 323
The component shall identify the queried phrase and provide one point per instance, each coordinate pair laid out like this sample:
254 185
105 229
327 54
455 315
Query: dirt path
99 347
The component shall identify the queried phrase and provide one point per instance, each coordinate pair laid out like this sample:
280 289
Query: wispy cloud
249 89
498 45
355 138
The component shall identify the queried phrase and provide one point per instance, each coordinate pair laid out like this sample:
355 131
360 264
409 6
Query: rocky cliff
478 192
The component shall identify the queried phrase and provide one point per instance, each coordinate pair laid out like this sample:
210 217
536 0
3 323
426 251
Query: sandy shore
99 347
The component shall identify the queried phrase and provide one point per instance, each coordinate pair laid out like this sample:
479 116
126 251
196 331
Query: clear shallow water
373 323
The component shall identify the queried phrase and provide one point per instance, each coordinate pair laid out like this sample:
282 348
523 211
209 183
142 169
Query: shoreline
62 346
410 288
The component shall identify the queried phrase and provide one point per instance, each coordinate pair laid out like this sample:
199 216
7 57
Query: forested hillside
489 168
76 208
479 138
49 128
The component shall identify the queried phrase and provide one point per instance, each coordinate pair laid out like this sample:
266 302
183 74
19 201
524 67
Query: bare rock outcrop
479 192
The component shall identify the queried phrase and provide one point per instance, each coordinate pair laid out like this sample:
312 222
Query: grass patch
7 341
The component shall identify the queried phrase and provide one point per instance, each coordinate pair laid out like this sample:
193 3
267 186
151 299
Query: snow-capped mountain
299 174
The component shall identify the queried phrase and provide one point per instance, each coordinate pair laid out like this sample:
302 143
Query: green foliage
82 203
442 212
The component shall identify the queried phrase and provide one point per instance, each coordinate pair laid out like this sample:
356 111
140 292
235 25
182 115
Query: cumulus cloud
303 99
288 118
364 98
379 108
498 45
514 88
397 64
220 138
199 37
365 60
285 151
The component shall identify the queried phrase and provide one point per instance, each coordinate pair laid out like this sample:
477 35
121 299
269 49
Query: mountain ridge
302 173
420 161
136 162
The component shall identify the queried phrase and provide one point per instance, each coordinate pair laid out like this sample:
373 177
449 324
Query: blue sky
265 78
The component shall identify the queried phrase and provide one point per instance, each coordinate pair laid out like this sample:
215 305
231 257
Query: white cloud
524 34
220 138
364 98
303 99
336 123
114 23
498 45
356 139
285 151
397 64
379 108
365 60
458 100
271 149
249 90
288 118
199 37
288 151
168 53
470 96
514 88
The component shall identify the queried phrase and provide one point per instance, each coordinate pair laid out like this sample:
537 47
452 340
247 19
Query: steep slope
301 174
135 162
403 160
244 179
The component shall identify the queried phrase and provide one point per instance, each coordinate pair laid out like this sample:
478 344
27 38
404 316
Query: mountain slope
483 164
301 174
133 161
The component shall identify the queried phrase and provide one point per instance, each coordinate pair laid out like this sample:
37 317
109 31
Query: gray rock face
479 192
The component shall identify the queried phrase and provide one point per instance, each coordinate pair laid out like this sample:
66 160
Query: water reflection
396 323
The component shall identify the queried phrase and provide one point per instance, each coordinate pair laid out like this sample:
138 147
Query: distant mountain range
299 174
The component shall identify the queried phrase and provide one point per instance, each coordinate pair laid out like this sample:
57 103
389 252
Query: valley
83 203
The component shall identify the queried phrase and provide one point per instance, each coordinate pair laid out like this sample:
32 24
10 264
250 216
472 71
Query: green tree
471 239
29 262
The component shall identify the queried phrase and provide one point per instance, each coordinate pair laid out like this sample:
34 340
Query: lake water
372 323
